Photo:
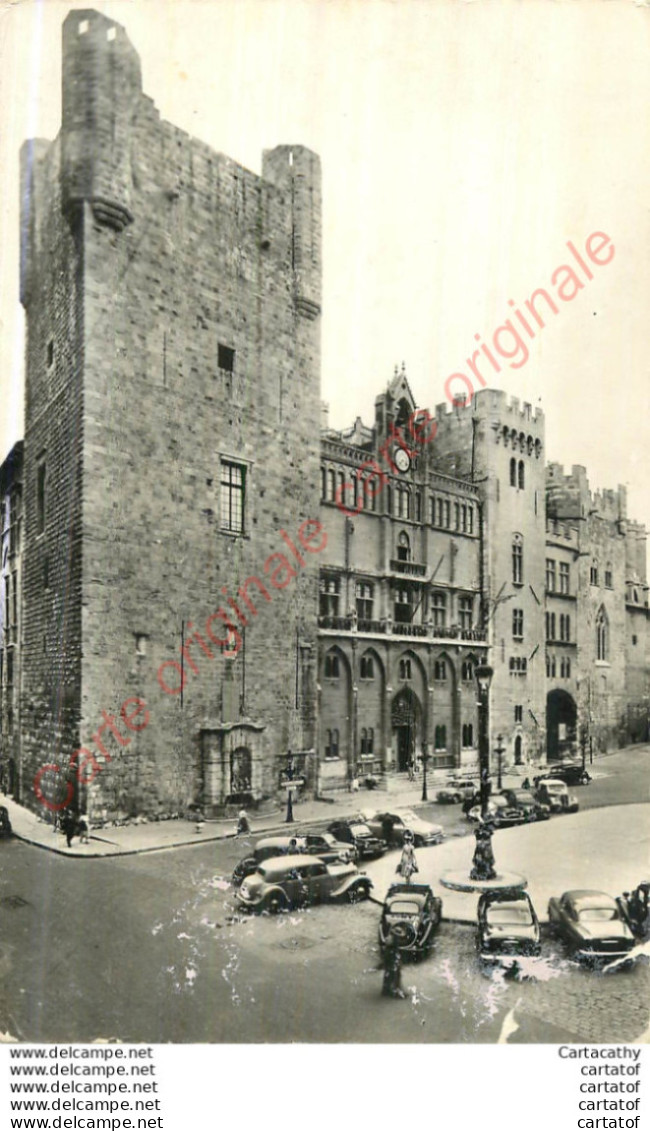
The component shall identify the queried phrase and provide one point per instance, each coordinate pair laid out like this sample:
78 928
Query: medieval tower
172 432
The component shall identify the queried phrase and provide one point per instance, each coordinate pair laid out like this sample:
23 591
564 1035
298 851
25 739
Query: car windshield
359 830
509 914
597 914
404 907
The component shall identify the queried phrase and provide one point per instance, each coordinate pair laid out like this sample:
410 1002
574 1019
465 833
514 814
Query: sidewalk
155 836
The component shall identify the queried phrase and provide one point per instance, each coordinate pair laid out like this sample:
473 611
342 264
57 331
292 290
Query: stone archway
406 725
561 722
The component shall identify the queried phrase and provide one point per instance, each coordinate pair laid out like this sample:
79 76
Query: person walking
83 828
243 825
392 967
68 823
408 864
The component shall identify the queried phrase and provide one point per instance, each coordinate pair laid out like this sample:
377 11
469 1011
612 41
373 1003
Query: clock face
402 460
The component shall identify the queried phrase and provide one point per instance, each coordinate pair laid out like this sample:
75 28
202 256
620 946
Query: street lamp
425 759
483 674
483 862
583 745
499 751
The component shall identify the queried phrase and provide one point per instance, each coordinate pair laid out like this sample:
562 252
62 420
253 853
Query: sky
463 144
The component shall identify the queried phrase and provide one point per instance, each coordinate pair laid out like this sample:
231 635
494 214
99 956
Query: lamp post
425 759
499 751
483 862
583 745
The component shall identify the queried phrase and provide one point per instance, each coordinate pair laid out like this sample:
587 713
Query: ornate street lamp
499 751
483 862
425 759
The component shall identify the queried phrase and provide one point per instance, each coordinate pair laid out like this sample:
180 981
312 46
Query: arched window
530 445
568 669
439 609
518 559
335 744
506 435
367 667
467 672
331 744
440 670
521 474
538 448
522 442
593 573
513 473
468 735
440 738
609 576
418 507
331 486
602 635
323 474
332 665
470 520
403 548
518 757
405 669
364 742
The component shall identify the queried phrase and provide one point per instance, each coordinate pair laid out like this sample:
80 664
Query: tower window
40 497
517 559
226 358
518 623
233 496
50 353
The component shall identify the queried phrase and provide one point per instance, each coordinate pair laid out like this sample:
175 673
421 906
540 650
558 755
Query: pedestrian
354 784
392 966
83 828
411 769
68 825
408 864
243 825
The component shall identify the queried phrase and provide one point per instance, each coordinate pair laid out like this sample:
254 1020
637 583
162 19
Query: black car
591 924
524 800
508 927
358 834
312 844
571 773
412 913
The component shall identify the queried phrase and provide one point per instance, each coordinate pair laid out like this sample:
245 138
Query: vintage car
357 833
286 882
314 844
507 927
524 800
391 827
555 795
571 773
591 924
635 909
499 813
455 791
413 913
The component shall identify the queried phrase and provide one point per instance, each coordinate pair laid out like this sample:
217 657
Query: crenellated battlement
570 493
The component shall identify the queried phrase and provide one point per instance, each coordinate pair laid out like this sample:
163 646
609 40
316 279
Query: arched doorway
561 720
518 751
406 722
241 769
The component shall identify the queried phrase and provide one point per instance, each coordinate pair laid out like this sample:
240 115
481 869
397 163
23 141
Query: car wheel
358 893
275 903
585 778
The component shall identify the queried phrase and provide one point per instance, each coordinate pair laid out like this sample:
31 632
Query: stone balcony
388 627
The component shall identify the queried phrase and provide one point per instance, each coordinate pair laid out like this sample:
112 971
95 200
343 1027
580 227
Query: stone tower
172 430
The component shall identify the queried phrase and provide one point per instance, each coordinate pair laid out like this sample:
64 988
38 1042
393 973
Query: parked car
507 927
413 913
500 813
391 827
321 844
524 800
555 794
357 833
456 790
591 924
571 773
286 882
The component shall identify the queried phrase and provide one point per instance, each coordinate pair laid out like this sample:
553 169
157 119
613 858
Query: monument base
461 881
